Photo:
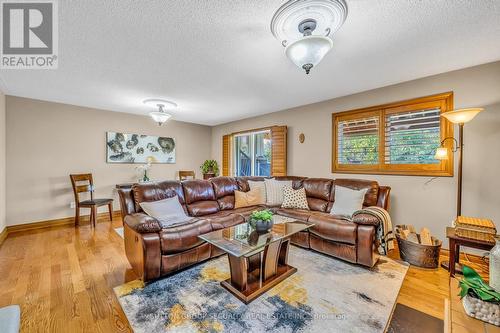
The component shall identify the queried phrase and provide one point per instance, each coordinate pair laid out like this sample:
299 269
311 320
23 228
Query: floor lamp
459 117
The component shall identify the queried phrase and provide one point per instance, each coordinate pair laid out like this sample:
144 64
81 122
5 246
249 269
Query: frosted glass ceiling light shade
305 28
160 116
307 52
461 116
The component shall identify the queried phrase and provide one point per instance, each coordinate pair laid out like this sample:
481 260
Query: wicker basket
426 256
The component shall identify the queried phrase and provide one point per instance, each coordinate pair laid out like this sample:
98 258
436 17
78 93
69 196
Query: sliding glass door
252 154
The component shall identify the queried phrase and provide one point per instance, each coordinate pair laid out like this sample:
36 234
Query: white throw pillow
261 186
347 201
168 211
294 198
274 191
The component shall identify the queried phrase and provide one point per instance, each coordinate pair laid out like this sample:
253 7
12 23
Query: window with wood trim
259 152
398 138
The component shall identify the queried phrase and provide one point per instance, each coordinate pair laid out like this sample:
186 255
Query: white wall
2 162
46 142
421 201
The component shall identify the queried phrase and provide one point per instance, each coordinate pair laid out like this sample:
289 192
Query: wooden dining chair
83 183
184 175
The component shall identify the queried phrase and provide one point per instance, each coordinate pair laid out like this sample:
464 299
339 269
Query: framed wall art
138 149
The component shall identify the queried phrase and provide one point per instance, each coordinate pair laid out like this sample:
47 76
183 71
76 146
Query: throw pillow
167 211
261 186
247 199
347 201
294 198
274 191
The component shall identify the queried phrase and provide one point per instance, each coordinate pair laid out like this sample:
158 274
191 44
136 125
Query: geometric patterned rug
324 295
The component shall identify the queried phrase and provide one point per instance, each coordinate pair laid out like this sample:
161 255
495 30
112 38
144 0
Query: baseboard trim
3 235
53 223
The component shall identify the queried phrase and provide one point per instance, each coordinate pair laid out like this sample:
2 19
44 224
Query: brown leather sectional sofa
154 251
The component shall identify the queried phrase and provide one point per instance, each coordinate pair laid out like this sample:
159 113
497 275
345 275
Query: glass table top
242 240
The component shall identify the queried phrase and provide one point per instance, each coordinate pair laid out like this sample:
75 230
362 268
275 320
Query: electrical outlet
72 204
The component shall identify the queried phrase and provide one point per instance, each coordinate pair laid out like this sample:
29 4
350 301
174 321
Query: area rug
325 295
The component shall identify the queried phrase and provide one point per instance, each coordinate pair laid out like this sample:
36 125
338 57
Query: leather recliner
154 251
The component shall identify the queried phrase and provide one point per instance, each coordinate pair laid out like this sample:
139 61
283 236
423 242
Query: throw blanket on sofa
384 229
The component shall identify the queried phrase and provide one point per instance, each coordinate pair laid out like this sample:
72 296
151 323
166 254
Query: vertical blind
358 141
412 137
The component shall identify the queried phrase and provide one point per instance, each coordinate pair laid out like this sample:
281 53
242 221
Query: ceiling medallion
160 116
305 29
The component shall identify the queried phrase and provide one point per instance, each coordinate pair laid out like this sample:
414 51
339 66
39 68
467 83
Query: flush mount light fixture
305 29
160 116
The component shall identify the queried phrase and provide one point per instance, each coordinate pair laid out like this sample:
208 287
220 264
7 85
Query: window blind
412 137
358 141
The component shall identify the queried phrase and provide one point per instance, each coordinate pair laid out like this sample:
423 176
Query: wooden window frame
443 169
279 150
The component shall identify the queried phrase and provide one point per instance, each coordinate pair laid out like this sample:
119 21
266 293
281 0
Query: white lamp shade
160 117
308 50
441 154
461 116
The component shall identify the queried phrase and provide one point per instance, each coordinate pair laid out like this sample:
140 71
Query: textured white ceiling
219 61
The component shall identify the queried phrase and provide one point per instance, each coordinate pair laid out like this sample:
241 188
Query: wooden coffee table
257 262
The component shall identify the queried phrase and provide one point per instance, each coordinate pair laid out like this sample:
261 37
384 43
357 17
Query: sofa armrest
142 223
365 219
383 200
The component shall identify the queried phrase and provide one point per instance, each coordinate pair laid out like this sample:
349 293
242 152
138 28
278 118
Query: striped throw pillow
274 191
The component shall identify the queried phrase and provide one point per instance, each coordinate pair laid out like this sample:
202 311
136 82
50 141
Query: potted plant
261 220
479 299
210 169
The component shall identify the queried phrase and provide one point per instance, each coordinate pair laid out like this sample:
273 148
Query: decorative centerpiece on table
143 170
209 169
479 299
261 220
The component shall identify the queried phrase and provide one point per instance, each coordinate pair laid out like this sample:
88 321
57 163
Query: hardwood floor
63 277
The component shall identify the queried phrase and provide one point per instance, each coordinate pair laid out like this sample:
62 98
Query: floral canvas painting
136 148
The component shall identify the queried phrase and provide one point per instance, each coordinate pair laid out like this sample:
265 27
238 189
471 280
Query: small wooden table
455 243
257 262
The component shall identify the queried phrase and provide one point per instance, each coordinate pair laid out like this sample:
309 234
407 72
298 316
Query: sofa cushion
371 186
183 237
198 190
318 193
200 197
243 182
167 211
218 223
274 191
299 214
347 201
202 208
147 192
261 186
296 180
246 211
333 228
294 198
224 188
248 199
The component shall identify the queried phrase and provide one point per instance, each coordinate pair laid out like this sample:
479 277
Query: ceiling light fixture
160 116
294 23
